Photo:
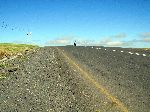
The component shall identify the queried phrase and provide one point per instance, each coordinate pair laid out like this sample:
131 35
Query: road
77 79
120 71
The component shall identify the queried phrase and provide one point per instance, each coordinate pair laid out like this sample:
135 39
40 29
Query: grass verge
9 49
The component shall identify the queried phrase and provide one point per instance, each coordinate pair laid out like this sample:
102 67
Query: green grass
9 49
3 65
2 76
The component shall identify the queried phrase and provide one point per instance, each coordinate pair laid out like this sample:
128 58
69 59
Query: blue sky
123 23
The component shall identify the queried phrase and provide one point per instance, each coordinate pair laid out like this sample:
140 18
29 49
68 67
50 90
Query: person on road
75 43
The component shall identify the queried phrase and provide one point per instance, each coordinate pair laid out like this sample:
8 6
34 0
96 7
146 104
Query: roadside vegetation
10 49
147 49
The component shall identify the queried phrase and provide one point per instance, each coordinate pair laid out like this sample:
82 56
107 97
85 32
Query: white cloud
120 35
115 43
106 40
145 35
112 43
61 41
111 40
85 42
146 39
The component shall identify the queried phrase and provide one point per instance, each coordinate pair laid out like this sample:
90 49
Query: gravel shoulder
124 75
44 81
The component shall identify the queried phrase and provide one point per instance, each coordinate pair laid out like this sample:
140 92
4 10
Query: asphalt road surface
125 73
77 79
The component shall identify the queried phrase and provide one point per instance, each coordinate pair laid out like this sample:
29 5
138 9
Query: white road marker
114 50
144 54
137 53
105 49
130 52
121 51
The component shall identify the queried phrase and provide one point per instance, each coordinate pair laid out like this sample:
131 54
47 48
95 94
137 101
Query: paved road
45 81
71 79
125 73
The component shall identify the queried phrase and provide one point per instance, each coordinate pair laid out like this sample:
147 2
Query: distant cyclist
75 43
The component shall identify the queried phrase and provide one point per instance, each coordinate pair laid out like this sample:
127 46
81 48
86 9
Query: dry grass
9 49
147 49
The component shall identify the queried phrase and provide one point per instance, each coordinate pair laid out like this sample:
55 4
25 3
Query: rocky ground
43 81
124 72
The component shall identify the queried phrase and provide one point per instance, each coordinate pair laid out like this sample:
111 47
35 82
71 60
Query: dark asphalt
126 76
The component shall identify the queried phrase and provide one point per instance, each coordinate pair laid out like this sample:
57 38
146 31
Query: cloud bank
120 35
60 41
115 43
145 36
118 40
146 39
